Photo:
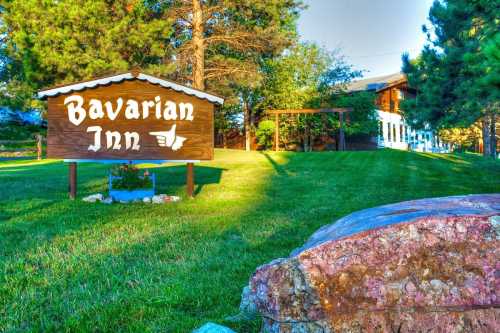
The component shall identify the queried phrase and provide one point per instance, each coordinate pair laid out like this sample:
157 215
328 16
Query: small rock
93 198
158 199
163 198
107 201
146 200
213 328
171 198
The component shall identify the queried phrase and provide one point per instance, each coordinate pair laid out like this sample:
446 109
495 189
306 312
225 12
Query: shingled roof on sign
51 92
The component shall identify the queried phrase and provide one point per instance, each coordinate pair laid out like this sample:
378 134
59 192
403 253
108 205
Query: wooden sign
130 117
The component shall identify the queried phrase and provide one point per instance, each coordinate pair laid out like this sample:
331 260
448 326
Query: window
389 132
401 133
394 132
381 129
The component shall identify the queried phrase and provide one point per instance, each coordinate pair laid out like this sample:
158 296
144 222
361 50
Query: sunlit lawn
74 266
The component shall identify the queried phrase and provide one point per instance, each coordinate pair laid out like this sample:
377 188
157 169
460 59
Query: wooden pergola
340 112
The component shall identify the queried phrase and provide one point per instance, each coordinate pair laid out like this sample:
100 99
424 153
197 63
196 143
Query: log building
394 130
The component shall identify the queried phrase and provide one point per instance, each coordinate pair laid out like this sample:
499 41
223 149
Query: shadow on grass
43 211
173 178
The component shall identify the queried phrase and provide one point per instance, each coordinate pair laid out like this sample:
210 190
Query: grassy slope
76 266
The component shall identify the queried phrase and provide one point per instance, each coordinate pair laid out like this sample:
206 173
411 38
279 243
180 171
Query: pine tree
53 42
456 75
220 44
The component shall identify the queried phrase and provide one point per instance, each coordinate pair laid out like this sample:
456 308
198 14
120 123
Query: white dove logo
169 139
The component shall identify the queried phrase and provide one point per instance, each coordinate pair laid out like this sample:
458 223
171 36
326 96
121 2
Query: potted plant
129 183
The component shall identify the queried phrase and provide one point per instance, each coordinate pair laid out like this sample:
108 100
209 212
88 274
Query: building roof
375 83
51 92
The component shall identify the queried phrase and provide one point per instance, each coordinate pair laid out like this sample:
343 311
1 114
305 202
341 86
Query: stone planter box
130 195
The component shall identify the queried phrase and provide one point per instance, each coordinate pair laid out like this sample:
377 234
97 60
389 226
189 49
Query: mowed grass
75 266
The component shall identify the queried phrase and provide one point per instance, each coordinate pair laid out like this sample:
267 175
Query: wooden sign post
72 181
130 117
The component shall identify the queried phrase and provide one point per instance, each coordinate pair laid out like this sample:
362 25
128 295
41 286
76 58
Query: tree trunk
224 139
306 138
486 136
252 116
246 114
493 135
198 47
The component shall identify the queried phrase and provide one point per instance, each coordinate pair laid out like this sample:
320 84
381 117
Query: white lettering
129 137
76 113
95 109
112 114
170 112
158 107
183 107
97 137
145 108
113 140
132 110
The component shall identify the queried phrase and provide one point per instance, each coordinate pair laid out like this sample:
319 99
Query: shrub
130 178
265 133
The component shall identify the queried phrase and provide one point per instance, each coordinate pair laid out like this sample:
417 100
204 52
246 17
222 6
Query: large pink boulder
428 265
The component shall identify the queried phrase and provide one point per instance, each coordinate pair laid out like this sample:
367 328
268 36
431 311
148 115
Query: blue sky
372 34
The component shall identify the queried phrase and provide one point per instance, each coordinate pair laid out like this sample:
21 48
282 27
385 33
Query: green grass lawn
74 266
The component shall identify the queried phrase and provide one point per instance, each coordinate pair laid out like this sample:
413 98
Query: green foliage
53 42
20 132
131 178
462 138
363 118
237 37
306 76
71 266
491 79
265 133
457 73
292 81
227 118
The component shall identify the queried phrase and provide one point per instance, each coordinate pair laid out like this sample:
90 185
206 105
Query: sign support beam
190 180
72 180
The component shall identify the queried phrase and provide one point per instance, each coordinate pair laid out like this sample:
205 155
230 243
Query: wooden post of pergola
277 113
